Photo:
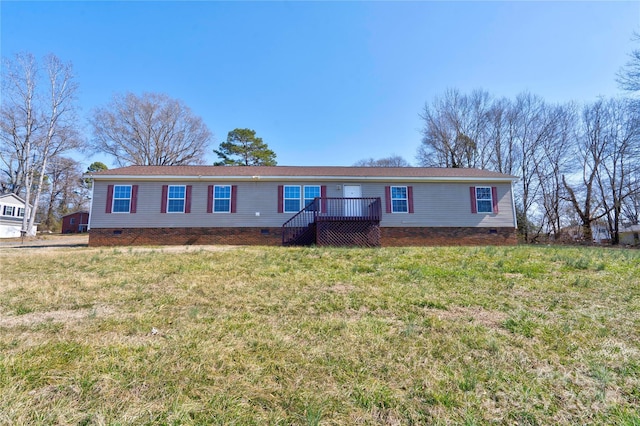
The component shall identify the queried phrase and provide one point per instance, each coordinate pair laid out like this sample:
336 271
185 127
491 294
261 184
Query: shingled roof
265 172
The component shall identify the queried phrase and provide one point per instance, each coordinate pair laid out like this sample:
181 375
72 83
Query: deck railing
326 210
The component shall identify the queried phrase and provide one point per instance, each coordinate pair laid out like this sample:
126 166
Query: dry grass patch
515 335
476 315
36 318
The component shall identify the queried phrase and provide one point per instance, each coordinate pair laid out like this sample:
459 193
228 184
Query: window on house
72 221
176 199
121 198
399 199
222 198
296 197
20 212
291 198
311 192
484 201
8 211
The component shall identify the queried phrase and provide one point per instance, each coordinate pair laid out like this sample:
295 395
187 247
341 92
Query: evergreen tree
243 148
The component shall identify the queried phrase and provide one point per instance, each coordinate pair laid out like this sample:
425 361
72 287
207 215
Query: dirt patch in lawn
48 240
48 243
477 315
65 315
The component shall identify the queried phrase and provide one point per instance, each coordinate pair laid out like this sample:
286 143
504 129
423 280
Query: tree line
577 164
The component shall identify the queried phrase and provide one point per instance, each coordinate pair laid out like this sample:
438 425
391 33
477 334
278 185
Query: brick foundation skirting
447 236
184 236
389 237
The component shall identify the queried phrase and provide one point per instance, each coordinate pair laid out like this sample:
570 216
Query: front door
352 207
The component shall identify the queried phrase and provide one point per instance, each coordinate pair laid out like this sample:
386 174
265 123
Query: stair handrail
323 208
297 221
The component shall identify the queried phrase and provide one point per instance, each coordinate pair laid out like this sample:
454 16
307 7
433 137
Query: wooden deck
335 222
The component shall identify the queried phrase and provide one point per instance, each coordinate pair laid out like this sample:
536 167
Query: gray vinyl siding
435 204
449 204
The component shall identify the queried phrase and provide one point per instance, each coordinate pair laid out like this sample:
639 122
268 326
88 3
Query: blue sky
326 83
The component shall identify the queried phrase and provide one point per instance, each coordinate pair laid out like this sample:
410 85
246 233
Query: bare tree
391 161
590 150
620 162
455 130
629 75
151 129
553 163
18 121
63 191
501 154
631 204
37 123
532 124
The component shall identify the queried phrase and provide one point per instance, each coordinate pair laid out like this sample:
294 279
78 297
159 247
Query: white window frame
20 211
115 192
405 199
183 198
301 199
285 198
304 194
222 198
485 190
6 208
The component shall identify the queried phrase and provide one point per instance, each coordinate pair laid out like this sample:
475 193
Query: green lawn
256 335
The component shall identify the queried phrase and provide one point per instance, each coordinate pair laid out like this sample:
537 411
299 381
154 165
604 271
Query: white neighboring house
630 235
11 214
600 233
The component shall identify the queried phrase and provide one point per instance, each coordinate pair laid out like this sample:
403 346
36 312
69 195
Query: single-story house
630 235
293 205
12 210
599 232
76 222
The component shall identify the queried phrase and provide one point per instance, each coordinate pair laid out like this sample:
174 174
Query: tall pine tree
243 148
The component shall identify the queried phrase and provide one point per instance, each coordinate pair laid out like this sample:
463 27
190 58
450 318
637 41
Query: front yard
255 335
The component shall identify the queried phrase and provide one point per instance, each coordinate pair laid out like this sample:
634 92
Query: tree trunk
587 235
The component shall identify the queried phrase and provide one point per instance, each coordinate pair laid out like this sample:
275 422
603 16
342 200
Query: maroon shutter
472 193
410 198
109 199
187 199
387 198
323 196
163 202
494 197
234 192
134 198
210 199
280 198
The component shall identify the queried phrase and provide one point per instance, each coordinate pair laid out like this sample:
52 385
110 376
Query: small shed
75 223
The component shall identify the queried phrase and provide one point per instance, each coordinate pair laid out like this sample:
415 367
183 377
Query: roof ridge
301 171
